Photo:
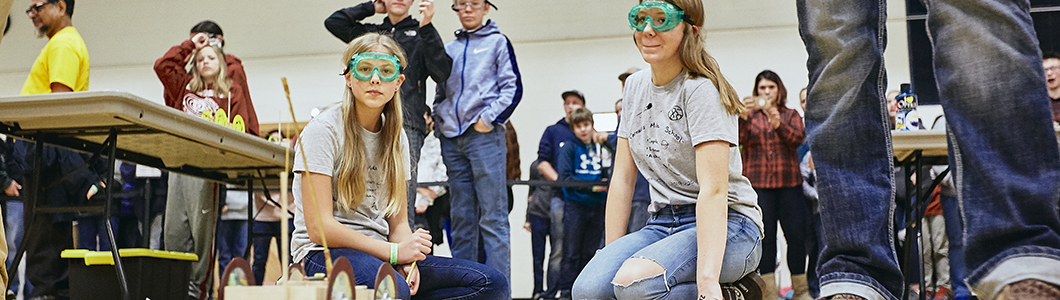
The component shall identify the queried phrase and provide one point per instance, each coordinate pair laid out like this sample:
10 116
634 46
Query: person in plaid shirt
770 137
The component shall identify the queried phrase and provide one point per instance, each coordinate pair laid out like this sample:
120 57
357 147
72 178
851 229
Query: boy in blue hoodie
470 110
583 209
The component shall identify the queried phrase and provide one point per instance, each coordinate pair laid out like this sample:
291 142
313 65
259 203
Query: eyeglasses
35 9
1054 69
473 5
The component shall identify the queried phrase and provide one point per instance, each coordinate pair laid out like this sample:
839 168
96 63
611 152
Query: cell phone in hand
762 102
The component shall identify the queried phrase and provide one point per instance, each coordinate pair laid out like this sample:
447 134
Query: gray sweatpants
191 217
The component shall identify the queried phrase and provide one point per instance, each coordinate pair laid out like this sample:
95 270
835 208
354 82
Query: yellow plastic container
153 274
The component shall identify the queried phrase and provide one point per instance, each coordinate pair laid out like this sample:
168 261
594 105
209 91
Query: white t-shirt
663 124
322 139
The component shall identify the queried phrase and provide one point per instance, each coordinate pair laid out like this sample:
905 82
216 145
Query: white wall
548 69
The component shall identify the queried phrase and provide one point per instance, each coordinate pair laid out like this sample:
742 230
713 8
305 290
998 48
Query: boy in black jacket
426 57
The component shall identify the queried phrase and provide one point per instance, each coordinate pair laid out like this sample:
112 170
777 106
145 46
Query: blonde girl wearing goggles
357 156
680 131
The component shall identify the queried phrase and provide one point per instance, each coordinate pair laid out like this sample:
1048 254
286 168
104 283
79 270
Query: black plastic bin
154 274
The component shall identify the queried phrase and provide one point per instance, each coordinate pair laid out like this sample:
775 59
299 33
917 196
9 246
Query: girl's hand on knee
415 247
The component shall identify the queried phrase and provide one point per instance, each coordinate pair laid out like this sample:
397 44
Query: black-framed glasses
35 9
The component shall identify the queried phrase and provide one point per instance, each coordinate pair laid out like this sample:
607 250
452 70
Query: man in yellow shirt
62 66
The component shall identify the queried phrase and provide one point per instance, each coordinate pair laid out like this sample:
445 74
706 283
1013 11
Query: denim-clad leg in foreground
670 240
988 71
479 197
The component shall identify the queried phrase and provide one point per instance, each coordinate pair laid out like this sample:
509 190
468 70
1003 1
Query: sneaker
1030 289
563 295
747 288
846 297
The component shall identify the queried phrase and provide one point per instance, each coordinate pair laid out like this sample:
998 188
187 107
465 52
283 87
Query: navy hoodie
578 161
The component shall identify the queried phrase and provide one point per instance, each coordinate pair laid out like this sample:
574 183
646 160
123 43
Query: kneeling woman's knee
634 279
635 269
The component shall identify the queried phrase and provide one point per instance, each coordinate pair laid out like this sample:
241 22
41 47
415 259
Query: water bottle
906 118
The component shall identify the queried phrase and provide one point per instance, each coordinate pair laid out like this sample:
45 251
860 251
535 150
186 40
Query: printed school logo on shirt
677 113
203 105
196 105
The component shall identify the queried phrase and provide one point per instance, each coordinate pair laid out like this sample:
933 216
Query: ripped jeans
670 240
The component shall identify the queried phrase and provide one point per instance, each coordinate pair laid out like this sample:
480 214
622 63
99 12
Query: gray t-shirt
322 139
663 124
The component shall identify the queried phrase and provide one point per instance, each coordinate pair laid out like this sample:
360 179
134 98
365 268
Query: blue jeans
670 240
440 277
583 233
14 226
479 197
231 241
988 71
539 232
951 215
92 233
262 244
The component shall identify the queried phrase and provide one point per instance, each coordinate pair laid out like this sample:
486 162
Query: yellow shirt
63 60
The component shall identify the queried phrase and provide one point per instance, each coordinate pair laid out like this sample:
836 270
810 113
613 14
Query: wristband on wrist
393 253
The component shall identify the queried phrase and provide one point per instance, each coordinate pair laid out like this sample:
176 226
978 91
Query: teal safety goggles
364 64
662 16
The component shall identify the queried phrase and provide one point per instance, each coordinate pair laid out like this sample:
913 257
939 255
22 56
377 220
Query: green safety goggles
662 16
364 64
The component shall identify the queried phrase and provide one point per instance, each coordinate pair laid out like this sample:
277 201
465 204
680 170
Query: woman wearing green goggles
364 64
662 16
680 129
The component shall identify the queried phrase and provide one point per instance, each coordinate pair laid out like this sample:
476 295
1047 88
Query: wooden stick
285 251
309 183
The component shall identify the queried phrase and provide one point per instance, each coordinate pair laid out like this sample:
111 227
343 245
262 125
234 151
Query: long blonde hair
221 83
698 62
351 173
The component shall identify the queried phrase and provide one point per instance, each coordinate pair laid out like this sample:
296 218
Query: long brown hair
698 62
351 173
782 92
221 84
